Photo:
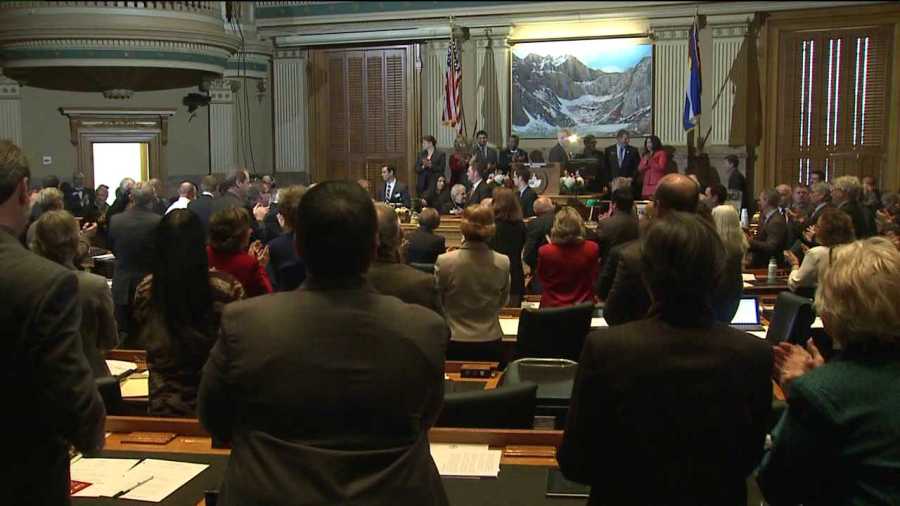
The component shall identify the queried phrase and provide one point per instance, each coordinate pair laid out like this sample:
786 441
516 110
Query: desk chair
554 332
426 268
791 320
510 407
554 377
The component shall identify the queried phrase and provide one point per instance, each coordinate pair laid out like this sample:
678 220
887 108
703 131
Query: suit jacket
507 155
299 384
567 273
47 381
425 246
558 154
483 191
99 331
400 194
425 177
286 270
652 169
809 465
629 165
527 198
131 241
488 156
627 298
80 206
509 240
618 229
537 231
770 241
404 282
473 284
243 266
202 206
681 413
862 224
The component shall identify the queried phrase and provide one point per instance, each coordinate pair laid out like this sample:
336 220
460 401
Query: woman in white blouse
833 229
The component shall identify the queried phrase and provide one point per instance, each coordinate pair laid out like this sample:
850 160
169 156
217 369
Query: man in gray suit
327 392
47 383
131 241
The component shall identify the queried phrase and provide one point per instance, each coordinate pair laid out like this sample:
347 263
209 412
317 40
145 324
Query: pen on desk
138 484
135 464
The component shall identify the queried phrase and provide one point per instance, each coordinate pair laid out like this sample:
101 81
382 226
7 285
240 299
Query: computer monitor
747 315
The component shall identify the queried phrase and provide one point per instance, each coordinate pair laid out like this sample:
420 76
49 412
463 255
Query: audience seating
509 407
791 320
554 378
554 332
426 268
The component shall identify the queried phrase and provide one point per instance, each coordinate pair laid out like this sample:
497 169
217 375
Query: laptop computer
747 316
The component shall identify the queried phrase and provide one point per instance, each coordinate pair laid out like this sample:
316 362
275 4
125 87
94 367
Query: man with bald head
538 229
621 285
186 193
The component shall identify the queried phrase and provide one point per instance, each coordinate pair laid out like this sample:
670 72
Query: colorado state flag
694 85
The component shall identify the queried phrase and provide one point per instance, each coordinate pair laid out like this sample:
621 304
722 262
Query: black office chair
554 333
110 392
554 377
426 268
509 407
791 320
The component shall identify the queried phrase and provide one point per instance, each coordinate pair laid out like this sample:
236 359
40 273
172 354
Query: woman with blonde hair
839 440
728 224
473 285
568 265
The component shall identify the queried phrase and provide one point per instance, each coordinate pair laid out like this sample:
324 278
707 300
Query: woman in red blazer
567 266
654 165
229 237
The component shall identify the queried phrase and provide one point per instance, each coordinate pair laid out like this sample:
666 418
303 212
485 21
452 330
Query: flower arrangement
498 179
571 184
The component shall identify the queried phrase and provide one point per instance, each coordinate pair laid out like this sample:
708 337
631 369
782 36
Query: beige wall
45 131
260 128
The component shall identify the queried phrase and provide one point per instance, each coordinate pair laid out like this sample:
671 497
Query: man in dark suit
820 200
485 154
327 393
80 201
536 233
389 275
772 234
621 158
430 164
677 401
621 285
424 245
479 188
512 154
47 385
527 196
558 153
131 241
286 270
845 196
392 191
202 205
620 226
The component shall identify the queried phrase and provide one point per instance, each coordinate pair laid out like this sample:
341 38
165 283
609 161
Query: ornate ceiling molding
117 118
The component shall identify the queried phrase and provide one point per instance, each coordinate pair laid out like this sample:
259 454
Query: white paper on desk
474 461
104 475
168 476
120 367
136 385
758 333
108 256
509 326
817 323
599 322
748 277
747 285
531 305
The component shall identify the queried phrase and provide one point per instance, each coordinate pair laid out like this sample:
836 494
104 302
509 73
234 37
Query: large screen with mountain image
591 86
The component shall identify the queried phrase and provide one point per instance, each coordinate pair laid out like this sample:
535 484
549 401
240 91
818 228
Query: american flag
453 114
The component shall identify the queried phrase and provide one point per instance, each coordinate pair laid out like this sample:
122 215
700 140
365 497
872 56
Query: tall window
834 96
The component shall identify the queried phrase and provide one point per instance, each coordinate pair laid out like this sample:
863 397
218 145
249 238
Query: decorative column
291 110
434 67
670 74
222 141
494 39
727 42
10 110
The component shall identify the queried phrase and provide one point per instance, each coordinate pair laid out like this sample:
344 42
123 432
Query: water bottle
745 218
773 268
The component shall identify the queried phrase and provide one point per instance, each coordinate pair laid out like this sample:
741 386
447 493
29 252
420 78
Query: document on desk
748 276
466 461
509 326
104 258
141 480
136 385
119 367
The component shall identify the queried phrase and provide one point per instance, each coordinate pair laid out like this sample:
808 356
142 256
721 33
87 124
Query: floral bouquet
571 184
498 179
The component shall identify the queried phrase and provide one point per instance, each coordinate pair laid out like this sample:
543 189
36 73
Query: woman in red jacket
654 165
229 237
567 266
